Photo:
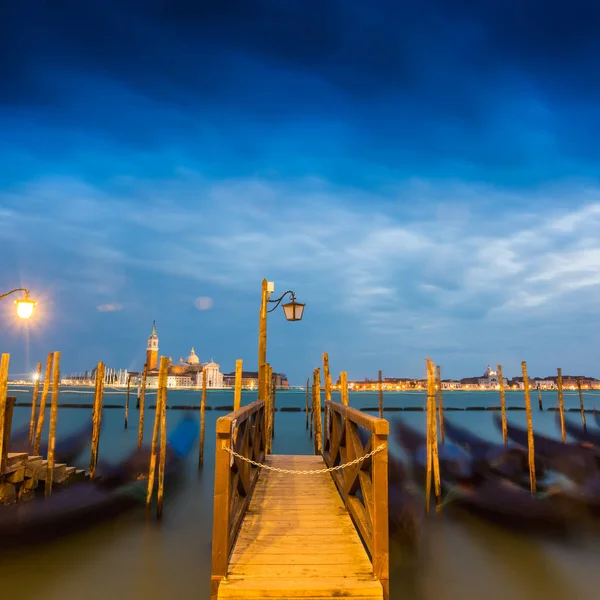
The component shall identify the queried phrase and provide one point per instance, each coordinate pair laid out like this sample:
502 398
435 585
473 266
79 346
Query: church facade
188 373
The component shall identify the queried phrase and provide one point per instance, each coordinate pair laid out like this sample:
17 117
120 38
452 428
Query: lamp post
292 310
24 305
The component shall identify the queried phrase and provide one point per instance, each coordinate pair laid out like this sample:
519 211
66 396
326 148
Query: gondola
495 498
405 508
584 436
578 462
66 450
506 460
84 504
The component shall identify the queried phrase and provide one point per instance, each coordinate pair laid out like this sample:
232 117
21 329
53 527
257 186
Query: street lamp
292 310
24 305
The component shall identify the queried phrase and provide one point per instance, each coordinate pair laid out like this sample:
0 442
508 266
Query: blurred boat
84 504
66 450
485 494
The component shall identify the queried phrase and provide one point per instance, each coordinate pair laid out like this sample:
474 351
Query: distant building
250 380
186 373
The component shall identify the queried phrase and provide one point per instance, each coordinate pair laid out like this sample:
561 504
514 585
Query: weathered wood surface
364 486
243 431
297 540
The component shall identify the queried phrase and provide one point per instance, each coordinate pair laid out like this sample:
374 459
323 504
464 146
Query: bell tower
152 349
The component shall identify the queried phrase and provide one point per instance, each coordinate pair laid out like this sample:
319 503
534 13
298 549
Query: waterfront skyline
423 177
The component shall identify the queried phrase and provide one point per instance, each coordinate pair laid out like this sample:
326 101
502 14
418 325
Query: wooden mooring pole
142 405
581 406
97 418
273 399
307 386
327 376
440 402
433 463
163 452
52 429
540 401
530 439
4 364
503 405
344 388
162 384
318 415
561 405
202 418
41 415
312 405
127 400
237 395
380 389
34 400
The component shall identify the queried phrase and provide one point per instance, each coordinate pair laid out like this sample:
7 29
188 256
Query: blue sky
425 178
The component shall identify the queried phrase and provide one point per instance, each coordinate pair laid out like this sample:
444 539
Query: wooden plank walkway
298 541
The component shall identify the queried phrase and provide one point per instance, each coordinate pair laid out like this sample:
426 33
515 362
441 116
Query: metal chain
307 472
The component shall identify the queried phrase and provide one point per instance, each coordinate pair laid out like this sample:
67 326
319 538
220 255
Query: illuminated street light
24 305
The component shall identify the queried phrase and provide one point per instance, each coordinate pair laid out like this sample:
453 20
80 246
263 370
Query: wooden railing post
381 542
222 499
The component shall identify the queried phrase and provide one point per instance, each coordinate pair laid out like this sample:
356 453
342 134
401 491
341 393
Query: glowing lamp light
25 307
293 310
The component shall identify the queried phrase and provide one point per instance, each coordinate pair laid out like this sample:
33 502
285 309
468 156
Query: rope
307 472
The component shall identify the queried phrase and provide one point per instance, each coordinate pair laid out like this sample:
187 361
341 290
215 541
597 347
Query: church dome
192 359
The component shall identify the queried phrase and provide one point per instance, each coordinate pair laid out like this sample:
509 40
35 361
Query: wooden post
530 442
561 405
162 384
318 417
53 417
344 388
273 399
380 387
42 413
540 401
440 402
583 421
269 406
503 405
142 403
381 541
127 400
97 418
202 417
327 376
237 395
163 452
4 363
34 399
433 443
8 416
307 384
312 406
221 505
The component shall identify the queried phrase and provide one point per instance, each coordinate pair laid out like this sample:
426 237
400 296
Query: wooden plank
357 558
300 587
295 535
298 570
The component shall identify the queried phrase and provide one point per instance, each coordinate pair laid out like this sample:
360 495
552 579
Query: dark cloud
436 77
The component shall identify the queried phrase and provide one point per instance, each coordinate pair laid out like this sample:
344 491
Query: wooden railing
364 487
244 432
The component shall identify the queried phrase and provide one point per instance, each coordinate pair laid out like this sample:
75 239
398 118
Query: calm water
461 558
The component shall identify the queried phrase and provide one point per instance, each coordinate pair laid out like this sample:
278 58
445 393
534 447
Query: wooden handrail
5 430
350 434
244 432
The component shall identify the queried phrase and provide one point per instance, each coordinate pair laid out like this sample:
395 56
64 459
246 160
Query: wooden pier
294 534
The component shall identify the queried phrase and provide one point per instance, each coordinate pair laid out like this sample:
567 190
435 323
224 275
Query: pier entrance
301 526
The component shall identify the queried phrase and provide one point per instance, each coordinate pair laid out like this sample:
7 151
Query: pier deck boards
298 541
